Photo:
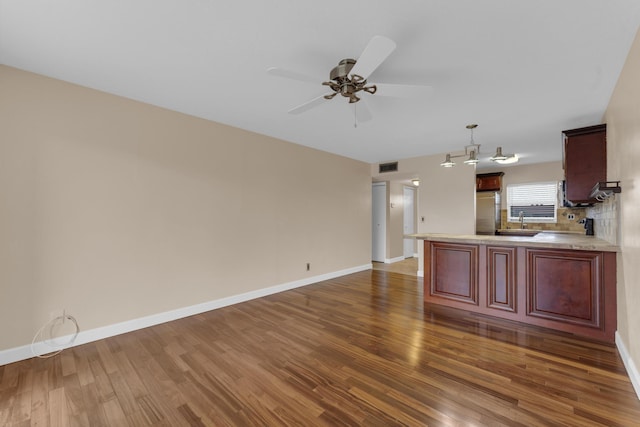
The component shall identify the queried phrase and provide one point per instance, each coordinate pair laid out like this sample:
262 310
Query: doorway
378 221
409 221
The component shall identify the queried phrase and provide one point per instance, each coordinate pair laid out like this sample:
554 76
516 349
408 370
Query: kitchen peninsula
565 282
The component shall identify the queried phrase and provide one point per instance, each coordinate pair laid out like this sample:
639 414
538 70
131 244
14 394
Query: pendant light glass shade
448 163
512 158
472 160
498 155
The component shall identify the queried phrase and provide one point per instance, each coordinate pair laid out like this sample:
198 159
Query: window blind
537 201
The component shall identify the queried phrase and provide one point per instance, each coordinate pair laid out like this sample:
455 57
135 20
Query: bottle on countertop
588 225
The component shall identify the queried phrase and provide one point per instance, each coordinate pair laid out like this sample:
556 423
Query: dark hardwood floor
362 349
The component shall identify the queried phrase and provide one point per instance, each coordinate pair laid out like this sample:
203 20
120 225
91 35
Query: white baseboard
634 375
392 260
420 273
25 352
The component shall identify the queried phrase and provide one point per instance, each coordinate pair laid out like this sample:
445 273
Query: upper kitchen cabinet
489 181
585 162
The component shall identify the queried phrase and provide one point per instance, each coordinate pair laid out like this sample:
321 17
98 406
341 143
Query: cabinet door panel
489 181
501 279
565 286
454 272
585 157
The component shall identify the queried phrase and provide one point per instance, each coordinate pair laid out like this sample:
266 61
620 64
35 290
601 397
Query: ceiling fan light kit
345 85
472 150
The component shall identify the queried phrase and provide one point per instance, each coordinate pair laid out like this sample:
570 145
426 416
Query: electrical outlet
571 217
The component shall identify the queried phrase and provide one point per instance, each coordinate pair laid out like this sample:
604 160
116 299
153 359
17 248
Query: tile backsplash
605 219
563 224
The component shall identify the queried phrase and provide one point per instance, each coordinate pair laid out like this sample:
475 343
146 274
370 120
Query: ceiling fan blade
378 49
309 104
294 75
402 91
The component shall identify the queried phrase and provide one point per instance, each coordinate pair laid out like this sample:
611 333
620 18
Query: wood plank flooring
362 349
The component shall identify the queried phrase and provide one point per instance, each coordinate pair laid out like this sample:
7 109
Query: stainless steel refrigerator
487 212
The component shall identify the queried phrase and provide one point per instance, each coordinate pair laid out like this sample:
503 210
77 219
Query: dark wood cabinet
585 162
567 290
501 278
565 286
489 181
455 272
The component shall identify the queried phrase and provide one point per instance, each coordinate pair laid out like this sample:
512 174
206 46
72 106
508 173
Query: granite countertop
540 240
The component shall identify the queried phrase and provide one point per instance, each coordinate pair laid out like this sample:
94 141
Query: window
538 201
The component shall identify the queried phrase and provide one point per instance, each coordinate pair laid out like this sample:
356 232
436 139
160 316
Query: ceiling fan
349 79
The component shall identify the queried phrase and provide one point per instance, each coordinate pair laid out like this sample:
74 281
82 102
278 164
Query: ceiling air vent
388 167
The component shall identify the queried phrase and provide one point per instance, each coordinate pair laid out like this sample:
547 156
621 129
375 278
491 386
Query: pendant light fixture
511 158
472 150
503 159
498 155
472 160
448 163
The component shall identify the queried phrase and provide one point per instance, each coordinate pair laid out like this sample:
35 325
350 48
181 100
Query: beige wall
445 197
114 210
623 163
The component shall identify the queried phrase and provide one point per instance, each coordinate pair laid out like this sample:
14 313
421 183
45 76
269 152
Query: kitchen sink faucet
521 219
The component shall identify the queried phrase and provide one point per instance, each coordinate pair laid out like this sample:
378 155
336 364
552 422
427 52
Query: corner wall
114 210
623 164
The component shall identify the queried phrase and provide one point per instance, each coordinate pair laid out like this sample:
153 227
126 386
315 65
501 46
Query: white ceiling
523 70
